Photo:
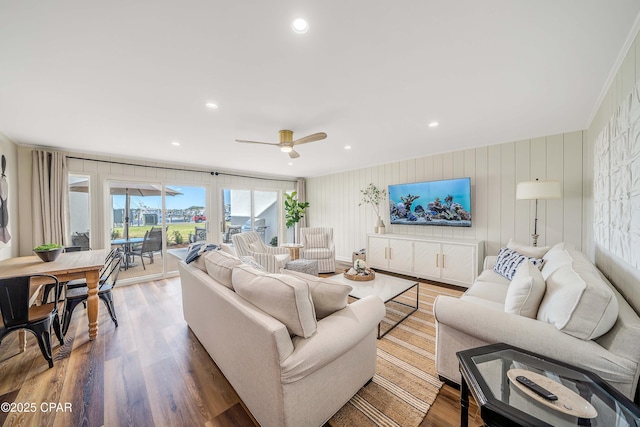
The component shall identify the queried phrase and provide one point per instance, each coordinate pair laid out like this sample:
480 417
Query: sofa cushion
328 295
578 302
317 253
219 266
488 290
555 258
492 276
532 251
282 296
509 260
525 291
317 240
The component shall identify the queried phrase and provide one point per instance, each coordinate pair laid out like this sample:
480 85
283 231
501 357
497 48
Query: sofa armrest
492 326
336 335
489 262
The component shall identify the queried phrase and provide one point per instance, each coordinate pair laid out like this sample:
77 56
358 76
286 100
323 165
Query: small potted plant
48 252
373 196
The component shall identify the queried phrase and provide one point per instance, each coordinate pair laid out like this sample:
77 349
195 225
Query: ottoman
309 266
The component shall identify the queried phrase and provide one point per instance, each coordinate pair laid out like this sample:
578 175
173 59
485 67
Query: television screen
446 202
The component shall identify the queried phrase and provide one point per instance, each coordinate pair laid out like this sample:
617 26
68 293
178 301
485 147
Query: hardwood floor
151 370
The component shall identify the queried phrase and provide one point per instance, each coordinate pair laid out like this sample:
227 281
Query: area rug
405 384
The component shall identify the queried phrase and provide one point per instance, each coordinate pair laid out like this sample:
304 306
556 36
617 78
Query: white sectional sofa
566 311
294 351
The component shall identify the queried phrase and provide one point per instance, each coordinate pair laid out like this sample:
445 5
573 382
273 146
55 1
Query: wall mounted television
446 202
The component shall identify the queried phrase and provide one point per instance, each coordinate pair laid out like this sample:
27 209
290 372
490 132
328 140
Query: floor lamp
537 190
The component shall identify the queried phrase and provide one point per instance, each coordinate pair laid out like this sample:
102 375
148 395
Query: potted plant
294 211
48 252
372 195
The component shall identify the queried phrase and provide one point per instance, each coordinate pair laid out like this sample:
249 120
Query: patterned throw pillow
197 249
251 261
509 260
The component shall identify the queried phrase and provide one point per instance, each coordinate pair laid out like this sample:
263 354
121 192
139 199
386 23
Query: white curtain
50 197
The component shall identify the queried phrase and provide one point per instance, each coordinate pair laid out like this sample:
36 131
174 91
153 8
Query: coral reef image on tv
446 202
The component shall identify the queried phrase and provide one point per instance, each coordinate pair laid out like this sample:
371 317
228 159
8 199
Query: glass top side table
484 373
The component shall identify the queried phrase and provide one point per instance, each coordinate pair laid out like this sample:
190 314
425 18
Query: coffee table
387 288
502 403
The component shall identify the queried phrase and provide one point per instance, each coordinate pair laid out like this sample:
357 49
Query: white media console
453 261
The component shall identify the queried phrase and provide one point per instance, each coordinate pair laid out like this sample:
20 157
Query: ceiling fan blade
310 138
294 154
257 142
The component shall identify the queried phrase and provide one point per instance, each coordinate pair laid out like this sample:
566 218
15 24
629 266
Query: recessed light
433 124
300 26
290 163
347 147
212 105
176 143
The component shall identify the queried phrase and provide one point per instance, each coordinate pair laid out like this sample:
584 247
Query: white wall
100 172
10 151
619 272
494 170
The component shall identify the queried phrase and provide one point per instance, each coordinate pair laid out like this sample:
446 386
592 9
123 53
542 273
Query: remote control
536 388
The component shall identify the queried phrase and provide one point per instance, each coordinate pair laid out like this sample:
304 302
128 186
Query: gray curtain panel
301 188
50 197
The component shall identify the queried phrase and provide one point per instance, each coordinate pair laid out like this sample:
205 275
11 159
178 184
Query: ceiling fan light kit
287 143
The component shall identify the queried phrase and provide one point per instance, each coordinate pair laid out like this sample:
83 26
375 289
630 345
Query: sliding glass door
250 210
154 223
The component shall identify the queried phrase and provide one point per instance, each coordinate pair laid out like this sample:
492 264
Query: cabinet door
459 263
377 252
401 255
426 259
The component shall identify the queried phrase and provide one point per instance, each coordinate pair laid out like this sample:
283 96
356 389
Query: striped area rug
405 384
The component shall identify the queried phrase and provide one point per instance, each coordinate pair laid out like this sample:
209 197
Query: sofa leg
448 382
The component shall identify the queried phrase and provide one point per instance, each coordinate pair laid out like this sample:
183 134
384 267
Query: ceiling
127 78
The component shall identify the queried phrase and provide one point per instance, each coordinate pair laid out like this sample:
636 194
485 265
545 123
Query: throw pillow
251 261
220 265
509 260
284 297
532 251
316 240
525 291
328 295
196 249
579 302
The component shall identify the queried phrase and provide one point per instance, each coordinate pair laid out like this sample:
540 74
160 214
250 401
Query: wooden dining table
68 266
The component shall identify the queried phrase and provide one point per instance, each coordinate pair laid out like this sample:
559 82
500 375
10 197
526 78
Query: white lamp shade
531 190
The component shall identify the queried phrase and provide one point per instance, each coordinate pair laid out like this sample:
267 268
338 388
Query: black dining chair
107 282
78 283
18 314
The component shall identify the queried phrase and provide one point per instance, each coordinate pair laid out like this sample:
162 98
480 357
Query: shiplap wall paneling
572 188
508 192
470 171
480 211
555 171
494 196
522 173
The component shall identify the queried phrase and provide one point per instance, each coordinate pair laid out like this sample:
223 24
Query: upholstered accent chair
271 258
318 245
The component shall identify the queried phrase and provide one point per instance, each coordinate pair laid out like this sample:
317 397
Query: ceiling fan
287 143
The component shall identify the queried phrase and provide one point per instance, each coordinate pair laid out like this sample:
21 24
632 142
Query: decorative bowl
361 277
49 255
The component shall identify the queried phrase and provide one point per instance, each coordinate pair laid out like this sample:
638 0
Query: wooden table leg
22 340
92 303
